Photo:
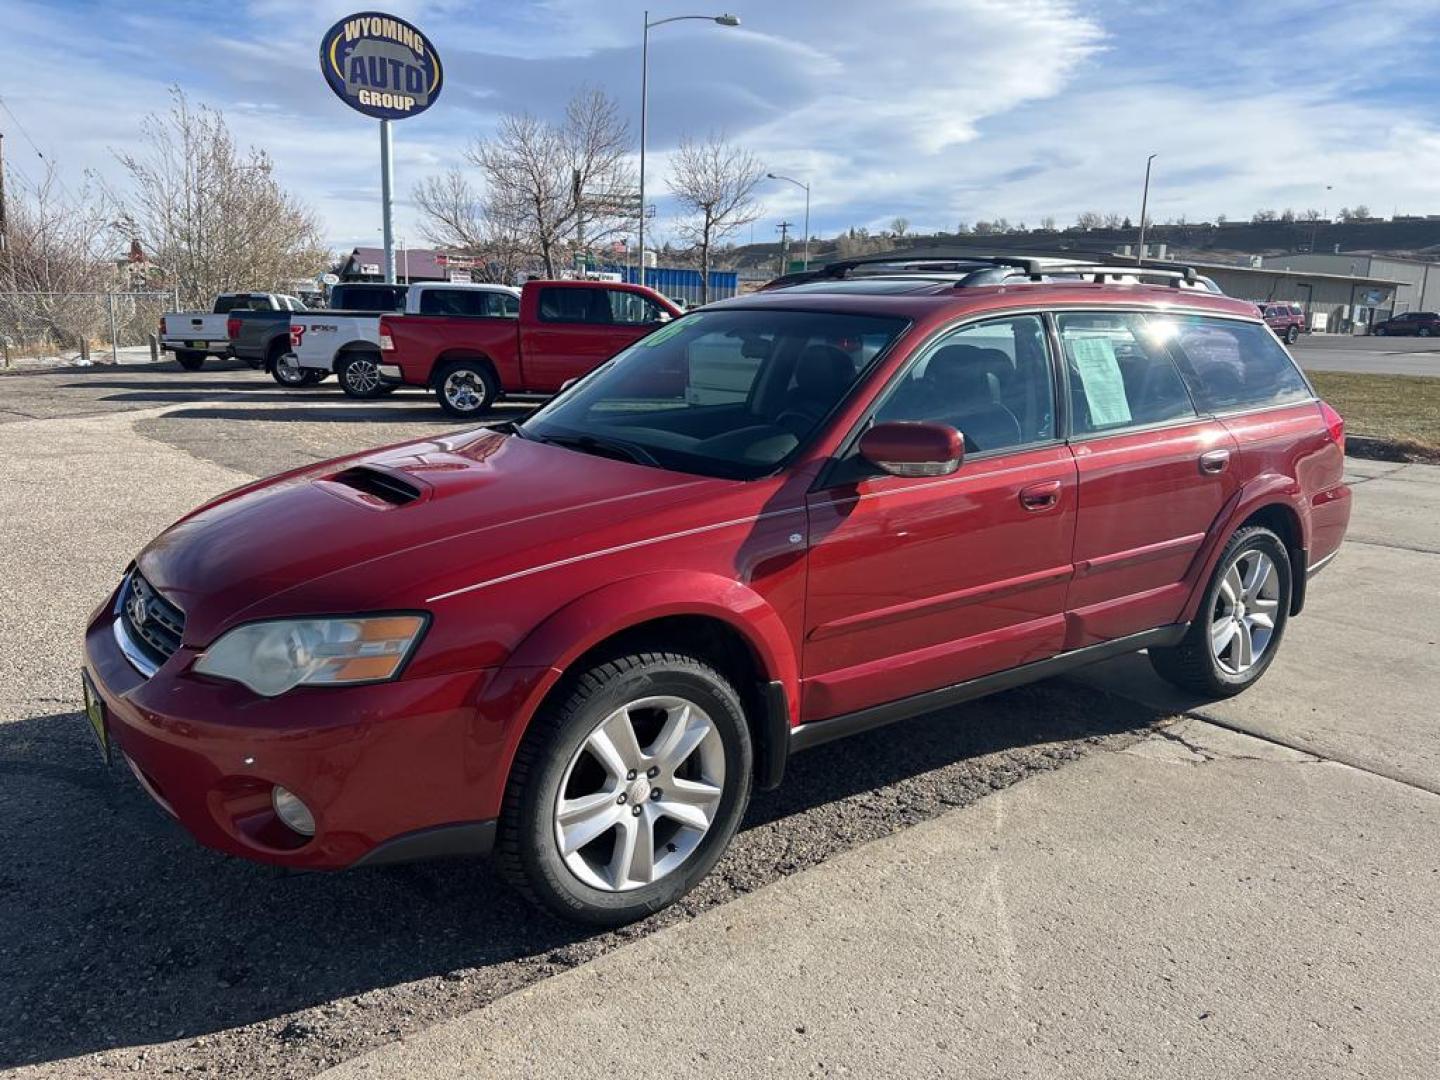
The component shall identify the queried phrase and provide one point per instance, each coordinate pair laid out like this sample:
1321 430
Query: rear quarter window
1230 365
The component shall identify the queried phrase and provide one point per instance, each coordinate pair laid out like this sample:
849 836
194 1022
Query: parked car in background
1412 323
262 340
468 354
347 340
1287 320
583 640
194 335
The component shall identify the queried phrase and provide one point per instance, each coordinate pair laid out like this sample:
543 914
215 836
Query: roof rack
981 268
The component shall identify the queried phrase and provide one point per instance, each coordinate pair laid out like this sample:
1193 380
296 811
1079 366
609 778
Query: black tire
1292 335
1192 665
359 375
1424 331
190 361
1379 331
527 853
473 396
290 376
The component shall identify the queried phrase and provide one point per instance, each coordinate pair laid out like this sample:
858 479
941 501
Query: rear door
1154 473
577 327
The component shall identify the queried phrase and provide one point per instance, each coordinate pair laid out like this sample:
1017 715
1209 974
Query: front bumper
390 771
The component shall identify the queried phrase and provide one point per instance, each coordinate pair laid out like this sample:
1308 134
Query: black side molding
773 747
464 838
819 732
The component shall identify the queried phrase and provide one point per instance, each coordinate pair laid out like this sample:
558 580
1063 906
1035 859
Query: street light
1144 207
797 183
719 20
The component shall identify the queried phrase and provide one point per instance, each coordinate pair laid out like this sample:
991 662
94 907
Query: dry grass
1403 409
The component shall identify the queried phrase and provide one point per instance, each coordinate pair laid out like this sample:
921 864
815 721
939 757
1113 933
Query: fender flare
1267 489
548 651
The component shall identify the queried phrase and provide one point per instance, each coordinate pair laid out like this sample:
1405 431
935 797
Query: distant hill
1205 241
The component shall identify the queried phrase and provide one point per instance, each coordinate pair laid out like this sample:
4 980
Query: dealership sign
381 66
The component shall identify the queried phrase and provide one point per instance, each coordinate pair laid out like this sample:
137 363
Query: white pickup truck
347 342
194 335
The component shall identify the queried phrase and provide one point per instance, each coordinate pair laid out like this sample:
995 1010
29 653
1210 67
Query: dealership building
1419 280
1341 302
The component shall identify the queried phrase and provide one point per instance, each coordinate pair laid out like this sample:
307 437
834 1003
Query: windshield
724 393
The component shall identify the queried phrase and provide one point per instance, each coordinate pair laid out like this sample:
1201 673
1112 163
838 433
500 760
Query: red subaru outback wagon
581 641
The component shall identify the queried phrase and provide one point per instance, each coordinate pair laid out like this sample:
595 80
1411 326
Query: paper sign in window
1101 380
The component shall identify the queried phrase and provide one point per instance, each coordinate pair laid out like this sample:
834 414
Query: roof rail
980 268
900 262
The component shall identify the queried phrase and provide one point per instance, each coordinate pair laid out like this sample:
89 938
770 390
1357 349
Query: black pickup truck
262 338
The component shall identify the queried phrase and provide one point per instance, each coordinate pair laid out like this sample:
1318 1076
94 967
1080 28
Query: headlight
273 657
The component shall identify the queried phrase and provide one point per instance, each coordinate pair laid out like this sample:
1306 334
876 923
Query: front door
578 327
1154 474
920 583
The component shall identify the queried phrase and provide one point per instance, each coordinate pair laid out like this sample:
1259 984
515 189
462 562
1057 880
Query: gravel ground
126 948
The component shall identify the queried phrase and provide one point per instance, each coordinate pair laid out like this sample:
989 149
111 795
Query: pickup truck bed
194 335
262 340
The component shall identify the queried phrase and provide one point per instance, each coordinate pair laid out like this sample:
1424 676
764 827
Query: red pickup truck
565 329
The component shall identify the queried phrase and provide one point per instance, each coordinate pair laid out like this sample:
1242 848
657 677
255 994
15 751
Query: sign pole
387 189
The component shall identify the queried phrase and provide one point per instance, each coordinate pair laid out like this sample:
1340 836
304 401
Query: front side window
1121 374
992 382
723 393
1230 365
629 308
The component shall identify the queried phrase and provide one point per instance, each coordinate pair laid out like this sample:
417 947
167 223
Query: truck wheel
1241 620
190 361
285 371
1292 335
466 388
359 375
627 789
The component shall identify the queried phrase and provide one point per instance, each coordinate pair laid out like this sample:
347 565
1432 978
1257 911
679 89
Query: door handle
1038 497
1215 461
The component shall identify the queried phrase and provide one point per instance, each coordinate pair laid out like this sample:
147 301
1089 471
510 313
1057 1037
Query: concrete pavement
1203 903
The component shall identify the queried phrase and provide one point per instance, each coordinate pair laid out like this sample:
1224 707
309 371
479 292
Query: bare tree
1262 216
714 181
212 217
1310 215
1047 224
456 217
55 256
1113 221
899 226
1090 219
532 169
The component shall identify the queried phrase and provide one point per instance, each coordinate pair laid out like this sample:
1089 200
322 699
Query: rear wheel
190 361
1242 618
359 375
1292 335
1379 331
466 388
1424 331
626 791
285 371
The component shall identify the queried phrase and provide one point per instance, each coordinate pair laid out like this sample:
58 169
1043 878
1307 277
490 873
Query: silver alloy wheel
289 370
1246 607
464 390
362 376
627 815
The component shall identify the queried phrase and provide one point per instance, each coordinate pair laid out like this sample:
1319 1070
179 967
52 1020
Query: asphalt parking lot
124 948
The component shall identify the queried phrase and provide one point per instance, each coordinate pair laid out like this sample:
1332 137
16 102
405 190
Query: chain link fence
40 328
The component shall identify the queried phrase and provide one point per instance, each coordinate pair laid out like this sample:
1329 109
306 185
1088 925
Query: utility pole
581 265
1144 210
784 228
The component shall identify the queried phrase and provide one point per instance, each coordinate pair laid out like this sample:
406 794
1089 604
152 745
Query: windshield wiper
591 444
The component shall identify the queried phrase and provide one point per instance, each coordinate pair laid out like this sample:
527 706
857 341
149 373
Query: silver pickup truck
194 335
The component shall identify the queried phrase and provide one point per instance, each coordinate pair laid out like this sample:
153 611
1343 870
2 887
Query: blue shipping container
680 284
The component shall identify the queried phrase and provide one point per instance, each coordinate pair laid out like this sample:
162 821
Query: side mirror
913 448
569 383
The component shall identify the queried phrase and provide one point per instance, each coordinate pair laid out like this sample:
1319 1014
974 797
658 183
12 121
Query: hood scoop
382 489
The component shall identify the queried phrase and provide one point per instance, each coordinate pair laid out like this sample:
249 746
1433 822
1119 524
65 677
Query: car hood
388 529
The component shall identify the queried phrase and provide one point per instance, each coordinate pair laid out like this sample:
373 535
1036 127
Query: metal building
1420 279
1337 303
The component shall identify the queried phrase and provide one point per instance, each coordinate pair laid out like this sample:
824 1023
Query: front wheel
359 375
466 388
1292 335
190 361
1241 620
626 790
1424 331
1379 331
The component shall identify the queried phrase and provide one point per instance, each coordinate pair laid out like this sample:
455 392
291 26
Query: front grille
153 624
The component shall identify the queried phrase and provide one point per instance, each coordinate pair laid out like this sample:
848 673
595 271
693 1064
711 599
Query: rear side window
1120 373
1231 365
472 303
574 305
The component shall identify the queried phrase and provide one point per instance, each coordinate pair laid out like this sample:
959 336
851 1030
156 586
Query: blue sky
935 110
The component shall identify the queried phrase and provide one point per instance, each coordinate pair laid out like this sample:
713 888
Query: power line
49 162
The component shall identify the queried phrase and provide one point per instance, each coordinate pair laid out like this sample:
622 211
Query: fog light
293 812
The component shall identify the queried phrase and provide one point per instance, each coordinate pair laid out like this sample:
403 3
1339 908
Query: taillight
387 343
297 335
232 328
163 328
1334 425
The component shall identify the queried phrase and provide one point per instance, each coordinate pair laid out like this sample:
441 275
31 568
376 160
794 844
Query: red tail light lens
387 343
163 328
1334 425
232 328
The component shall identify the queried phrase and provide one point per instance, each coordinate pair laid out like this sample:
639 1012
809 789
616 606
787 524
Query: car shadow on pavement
119 930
